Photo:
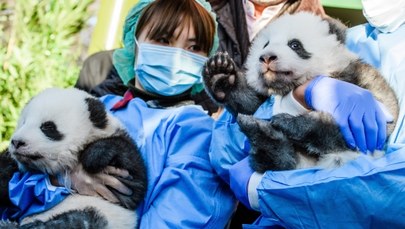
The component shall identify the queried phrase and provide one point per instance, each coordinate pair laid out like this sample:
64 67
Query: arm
182 172
229 145
364 192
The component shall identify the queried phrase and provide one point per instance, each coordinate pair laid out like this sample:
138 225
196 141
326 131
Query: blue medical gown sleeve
364 193
228 146
183 189
32 193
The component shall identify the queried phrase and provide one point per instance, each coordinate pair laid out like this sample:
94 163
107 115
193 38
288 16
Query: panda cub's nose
17 143
266 59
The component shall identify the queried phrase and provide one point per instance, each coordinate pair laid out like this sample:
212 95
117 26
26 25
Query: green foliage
39 48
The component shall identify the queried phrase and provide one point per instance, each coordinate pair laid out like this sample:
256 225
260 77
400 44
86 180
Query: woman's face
182 38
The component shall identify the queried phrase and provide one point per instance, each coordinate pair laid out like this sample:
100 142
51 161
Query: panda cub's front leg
228 86
315 132
270 149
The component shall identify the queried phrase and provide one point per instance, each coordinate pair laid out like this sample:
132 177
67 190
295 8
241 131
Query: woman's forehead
184 30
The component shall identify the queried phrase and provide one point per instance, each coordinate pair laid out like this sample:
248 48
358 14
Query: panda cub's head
294 48
55 125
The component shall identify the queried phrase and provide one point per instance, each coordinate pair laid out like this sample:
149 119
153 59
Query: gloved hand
359 115
239 176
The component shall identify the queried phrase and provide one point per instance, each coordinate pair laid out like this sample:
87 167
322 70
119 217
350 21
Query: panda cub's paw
284 122
219 74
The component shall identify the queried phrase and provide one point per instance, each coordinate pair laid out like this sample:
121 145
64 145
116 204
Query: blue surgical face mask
167 70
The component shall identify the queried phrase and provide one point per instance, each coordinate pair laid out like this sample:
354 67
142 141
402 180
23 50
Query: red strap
124 101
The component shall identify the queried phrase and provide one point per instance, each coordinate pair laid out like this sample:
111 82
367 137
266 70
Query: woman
166 45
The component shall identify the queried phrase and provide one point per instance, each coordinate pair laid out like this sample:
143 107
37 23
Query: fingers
358 130
98 184
97 190
347 133
105 193
114 171
371 130
114 183
342 119
381 120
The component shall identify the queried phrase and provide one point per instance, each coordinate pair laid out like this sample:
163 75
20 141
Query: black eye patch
51 131
298 48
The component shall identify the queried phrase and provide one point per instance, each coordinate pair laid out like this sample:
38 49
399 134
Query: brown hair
165 16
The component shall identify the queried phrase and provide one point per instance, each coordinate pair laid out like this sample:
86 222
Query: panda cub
288 52
61 130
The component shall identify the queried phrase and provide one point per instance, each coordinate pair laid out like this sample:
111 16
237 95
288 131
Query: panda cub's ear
98 114
338 28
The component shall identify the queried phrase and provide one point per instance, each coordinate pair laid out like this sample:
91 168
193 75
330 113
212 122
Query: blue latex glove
360 117
239 175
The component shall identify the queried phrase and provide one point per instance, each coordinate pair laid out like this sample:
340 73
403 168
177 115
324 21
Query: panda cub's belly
116 216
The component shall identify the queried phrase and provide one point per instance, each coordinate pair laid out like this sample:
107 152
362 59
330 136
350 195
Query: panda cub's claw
219 75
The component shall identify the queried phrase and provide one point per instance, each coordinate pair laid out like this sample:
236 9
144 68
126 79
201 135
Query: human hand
239 176
360 117
100 184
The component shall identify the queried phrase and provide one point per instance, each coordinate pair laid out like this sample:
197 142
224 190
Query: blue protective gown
364 193
183 188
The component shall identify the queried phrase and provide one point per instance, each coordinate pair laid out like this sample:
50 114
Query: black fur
275 143
118 151
299 48
88 218
98 114
286 135
51 131
8 167
229 87
339 29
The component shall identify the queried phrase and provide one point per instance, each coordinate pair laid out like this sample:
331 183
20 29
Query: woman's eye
195 48
163 41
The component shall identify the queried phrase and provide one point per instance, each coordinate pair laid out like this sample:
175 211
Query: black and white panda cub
286 53
63 129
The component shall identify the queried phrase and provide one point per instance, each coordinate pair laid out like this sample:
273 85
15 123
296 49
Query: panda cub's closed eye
51 131
267 43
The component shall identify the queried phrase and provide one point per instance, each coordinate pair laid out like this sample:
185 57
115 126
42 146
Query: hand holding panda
289 52
67 133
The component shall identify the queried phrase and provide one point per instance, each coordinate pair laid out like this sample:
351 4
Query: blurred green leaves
39 48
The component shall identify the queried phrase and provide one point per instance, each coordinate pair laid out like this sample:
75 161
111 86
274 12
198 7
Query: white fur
117 217
68 110
328 54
